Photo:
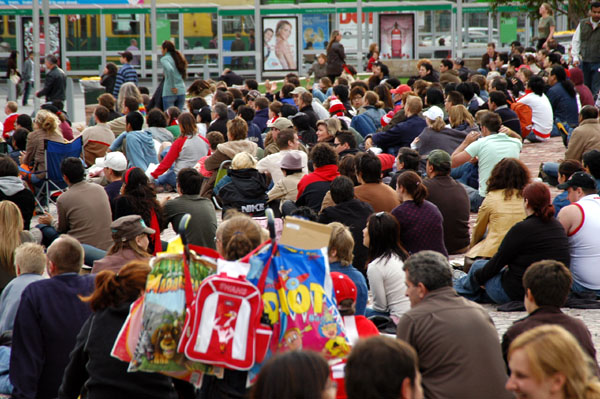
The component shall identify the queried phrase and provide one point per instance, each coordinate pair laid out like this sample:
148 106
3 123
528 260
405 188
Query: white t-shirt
387 282
542 116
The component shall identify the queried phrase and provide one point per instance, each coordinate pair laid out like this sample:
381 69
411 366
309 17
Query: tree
574 9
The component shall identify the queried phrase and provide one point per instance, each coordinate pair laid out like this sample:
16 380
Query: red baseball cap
344 287
403 88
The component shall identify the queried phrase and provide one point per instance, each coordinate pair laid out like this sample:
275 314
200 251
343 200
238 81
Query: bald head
66 253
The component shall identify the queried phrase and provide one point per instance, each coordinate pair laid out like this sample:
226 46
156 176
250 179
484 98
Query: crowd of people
394 169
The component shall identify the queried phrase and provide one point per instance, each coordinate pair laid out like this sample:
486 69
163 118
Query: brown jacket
96 140
457 345
34 151
380 196
584 138
450 76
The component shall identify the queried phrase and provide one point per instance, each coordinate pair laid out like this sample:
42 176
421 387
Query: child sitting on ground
214 139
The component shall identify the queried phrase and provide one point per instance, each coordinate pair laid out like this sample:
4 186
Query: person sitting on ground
351 212
83 212
407 159
341 245
293 167
12 189
202 233
498 104
237 130
540 236
357 325
45 330
591 164
501 209
29 264
344 144
98 138
10 110
306 133
384 271
547 361
371 190
254 133
421 222
313 187
380 367
436 309
113 165
18 144
582 225
403 133
184 153
139 198
547 284
563 98
13 235
107 100
451 199
91 367
139 146
276 126
493 146
46 125
244 188
447 73
130 242
565 170
540 111
437 135
288 142
586 136
157 126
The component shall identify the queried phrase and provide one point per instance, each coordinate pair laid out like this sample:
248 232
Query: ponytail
239 235
413 184
114 289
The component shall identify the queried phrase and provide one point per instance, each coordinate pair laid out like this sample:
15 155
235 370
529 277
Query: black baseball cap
579 179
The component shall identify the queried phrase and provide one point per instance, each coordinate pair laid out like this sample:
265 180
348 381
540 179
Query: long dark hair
179 59
510 175
561 76
141 197
332 39
115 289
384 236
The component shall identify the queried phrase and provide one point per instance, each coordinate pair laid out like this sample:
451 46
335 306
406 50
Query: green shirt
490 150
544 26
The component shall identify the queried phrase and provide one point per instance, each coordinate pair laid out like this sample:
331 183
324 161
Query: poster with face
396 36
280 38
315 31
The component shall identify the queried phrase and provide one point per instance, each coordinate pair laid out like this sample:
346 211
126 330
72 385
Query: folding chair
54 153
221 173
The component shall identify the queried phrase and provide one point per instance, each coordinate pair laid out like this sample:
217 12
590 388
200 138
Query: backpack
524 113
224 324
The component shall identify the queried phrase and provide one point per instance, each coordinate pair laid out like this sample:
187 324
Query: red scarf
153 221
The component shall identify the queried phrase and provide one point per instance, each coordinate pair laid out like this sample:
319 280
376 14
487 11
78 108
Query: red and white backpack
223 325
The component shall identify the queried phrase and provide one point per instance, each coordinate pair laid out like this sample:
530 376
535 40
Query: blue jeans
370 312
170 101
319 95
576 287
91 253
169 177
467 174
474 198
591 76
468 287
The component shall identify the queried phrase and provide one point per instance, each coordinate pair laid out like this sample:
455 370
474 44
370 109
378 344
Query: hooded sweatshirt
12 189
245 191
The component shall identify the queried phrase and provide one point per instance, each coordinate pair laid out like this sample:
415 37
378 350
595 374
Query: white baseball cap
113 160
433 113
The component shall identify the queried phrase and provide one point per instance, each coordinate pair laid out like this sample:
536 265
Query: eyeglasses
336 144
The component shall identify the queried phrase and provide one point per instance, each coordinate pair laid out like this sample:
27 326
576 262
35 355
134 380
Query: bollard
12 91
70 105
206 72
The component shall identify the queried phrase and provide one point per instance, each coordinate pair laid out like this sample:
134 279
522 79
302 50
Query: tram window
125 24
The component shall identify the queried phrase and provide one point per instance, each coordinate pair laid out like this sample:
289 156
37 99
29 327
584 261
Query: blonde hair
243 160
372 98
341 240
11 225
31 258
548 8
47 121
438 124
129 89
13 106
459 114
333 125
551 349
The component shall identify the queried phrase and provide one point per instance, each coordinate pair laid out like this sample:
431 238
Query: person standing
585 48
175 71
55 82
336 58
546 26
126 73
133 49
27 77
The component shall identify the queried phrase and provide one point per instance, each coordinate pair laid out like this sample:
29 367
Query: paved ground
532 155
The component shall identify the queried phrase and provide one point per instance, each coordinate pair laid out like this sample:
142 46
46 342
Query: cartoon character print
336 345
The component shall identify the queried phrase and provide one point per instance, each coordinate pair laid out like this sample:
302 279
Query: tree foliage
574 9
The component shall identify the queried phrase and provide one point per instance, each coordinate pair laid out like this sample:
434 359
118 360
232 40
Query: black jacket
509 119
93 370
354 215
55 84
219 125
246 192
25 200
312 115
336 58
108 81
